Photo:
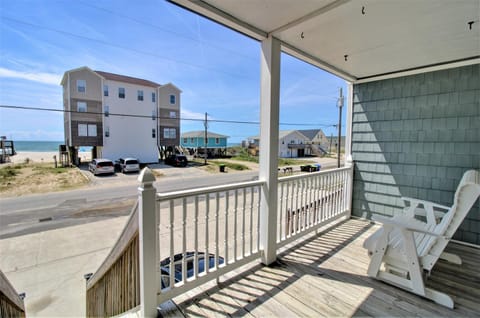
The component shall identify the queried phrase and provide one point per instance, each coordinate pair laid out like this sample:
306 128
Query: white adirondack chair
408 245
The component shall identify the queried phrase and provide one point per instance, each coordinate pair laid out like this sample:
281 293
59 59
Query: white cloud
44 78
187 114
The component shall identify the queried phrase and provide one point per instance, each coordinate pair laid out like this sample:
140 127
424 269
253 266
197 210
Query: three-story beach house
118 115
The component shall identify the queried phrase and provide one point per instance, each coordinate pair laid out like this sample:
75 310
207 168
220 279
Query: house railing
201 234
11 304
310 201
115 286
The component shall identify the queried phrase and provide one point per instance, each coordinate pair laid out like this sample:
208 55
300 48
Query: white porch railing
220 225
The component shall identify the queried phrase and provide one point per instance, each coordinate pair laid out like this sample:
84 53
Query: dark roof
127 79
310 133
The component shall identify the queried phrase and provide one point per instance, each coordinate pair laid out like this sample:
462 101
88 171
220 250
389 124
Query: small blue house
194 141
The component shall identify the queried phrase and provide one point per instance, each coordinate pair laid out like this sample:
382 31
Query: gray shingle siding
415 136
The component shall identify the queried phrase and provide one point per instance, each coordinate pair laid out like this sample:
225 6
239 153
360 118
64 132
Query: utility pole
339 143
206 138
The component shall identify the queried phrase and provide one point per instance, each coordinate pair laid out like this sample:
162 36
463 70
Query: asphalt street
41 212
105 197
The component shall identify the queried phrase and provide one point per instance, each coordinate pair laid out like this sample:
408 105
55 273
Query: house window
92 130
107 131
154 134
81 86
172 99
121 92
81 107
89 130
82 130
185 140
169 133
139 95
154 98
192 140
154 114
173 114
105 90
217 141
106 110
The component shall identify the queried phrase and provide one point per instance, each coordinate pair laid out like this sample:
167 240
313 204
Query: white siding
130 136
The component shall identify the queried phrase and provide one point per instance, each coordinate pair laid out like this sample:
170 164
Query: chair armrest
404 224
416 202
429 210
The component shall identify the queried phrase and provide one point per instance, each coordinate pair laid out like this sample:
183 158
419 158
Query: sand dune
22 156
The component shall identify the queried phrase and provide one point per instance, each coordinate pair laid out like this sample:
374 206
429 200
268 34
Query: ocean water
41 146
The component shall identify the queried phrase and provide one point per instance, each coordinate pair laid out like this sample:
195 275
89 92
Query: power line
165 29
156 117
123 47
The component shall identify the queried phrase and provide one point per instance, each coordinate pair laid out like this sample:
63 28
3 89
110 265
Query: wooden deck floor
325 276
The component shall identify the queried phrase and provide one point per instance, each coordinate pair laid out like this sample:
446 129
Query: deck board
325 276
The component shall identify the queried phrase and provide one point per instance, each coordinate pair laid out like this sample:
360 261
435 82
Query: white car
128 164
101 166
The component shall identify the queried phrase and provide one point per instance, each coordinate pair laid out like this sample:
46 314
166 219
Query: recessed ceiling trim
311 15
216 15
423 69
301 55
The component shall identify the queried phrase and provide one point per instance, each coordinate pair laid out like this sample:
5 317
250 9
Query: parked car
127 165
176 160
101 166
190 270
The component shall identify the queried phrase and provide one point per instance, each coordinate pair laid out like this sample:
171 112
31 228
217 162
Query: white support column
348 148
348 135
269 126
148 244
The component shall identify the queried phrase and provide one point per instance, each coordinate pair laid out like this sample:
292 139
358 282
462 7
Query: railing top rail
312 174
129 231
9 291
205 190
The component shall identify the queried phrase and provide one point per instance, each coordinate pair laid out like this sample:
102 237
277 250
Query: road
104 198
41 212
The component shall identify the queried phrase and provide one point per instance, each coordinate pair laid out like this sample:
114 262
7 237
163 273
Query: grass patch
231 165
294 162
8 173
213 164
29 178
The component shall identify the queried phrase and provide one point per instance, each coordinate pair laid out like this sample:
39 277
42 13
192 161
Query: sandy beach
22 156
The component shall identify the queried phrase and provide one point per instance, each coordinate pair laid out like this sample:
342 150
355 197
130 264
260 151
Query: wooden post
269 125
148 241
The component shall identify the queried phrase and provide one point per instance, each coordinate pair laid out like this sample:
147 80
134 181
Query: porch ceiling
357 39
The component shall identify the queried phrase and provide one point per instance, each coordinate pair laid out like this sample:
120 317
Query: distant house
119 115
291 144
319 143
194 141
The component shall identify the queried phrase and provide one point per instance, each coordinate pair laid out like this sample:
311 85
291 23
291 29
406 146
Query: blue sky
217 69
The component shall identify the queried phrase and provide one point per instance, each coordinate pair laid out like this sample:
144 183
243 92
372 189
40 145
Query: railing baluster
207 212
225 241
244 210
184 240
235 238
251 220
172 252
258 219
217 208
195 265
282 201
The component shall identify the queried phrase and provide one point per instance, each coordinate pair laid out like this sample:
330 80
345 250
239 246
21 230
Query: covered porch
412 129
326 276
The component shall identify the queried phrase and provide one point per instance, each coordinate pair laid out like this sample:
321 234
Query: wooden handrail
115 286
11 305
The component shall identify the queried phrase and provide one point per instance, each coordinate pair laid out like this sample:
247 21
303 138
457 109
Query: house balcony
320 267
